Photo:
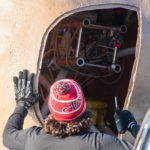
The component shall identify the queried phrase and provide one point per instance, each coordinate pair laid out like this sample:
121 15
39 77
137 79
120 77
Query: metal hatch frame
35 110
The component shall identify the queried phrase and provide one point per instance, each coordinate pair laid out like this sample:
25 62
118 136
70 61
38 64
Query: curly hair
82 124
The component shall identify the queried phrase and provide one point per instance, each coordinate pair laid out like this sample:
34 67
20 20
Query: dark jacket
34 138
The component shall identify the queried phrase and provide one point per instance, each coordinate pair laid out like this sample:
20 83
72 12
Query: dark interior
100 85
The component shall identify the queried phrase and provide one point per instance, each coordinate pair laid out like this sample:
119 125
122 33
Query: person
68 126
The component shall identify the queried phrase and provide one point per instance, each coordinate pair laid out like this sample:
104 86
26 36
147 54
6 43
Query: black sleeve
134 130
13 135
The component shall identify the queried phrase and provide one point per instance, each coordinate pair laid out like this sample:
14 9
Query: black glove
24 89
126 117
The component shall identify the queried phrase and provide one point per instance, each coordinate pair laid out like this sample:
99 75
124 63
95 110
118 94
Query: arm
13 135
113 143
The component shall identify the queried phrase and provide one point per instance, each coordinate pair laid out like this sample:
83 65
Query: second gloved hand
127 118
24 89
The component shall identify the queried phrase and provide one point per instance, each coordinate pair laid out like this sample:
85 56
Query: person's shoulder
89 133
90 136
92 139
35 130
98 137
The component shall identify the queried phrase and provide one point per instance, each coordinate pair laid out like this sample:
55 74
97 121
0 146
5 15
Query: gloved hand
24 89
126 117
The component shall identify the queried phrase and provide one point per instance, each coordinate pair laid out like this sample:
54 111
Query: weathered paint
23 24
